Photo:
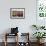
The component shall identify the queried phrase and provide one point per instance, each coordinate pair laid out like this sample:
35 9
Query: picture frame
17 13
41 9
40 12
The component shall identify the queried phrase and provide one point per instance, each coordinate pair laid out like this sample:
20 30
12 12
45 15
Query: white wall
23 24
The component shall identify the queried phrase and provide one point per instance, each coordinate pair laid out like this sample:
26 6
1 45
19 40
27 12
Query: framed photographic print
41 8
17 13
41 12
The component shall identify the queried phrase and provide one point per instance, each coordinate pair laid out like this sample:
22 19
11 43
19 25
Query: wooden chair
27 43
8 34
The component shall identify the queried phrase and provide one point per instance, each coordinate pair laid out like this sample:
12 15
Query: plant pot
40 41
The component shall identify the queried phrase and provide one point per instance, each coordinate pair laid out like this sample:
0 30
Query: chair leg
5 43
5 40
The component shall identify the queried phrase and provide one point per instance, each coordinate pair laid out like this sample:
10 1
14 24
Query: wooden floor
13 44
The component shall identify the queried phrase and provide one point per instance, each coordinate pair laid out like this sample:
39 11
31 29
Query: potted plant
38 27
35 27
42 27
39 35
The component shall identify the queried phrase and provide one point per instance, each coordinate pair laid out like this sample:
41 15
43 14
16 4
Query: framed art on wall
17 13
41 12
41 8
